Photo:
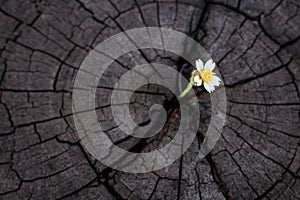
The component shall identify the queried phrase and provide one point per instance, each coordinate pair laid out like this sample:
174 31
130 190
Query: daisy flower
204 74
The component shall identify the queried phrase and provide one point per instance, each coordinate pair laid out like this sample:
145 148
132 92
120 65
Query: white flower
205 74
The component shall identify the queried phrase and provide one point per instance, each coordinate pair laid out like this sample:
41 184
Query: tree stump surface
256 47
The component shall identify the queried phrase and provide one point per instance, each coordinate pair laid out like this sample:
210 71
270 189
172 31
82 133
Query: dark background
255 44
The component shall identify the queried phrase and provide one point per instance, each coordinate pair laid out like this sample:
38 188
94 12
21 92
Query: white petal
209 87
199 64
197 81
216 80
210 64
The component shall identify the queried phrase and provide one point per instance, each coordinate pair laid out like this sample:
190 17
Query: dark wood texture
256 46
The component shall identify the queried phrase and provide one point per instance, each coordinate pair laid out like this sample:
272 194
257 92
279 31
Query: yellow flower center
206 75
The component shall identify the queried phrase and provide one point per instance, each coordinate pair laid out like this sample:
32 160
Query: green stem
188 88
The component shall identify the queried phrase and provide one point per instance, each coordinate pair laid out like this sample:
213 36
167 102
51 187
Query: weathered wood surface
256 47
